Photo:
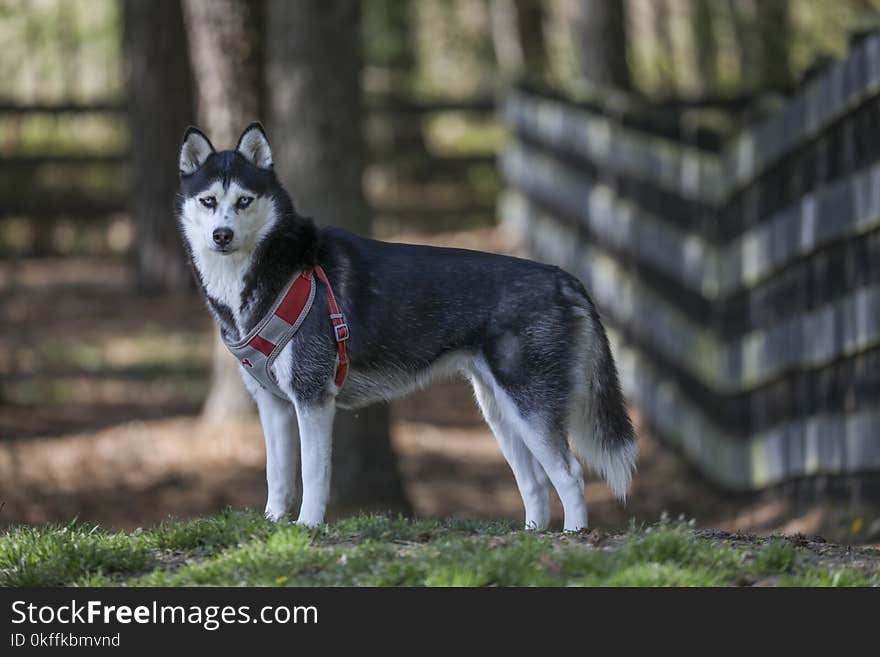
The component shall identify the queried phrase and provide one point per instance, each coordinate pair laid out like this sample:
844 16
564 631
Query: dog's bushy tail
601 431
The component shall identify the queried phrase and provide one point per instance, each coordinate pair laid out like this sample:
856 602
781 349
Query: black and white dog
526 335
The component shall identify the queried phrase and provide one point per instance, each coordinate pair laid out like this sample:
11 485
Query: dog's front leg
280 432
316 438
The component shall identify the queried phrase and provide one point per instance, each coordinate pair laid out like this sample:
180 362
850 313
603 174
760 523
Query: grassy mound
242 549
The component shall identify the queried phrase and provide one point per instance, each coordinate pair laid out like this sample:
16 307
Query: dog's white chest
224 281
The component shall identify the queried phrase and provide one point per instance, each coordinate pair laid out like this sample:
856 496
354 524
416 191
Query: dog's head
227 200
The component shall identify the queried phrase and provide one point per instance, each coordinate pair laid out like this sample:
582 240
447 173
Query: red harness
259 348
340 328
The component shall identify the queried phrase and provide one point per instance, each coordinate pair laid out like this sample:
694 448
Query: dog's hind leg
548 445
552 455
534 487
316 438
562 466
278 418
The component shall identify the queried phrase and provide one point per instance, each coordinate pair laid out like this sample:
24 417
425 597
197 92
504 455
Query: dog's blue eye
208 201
243 202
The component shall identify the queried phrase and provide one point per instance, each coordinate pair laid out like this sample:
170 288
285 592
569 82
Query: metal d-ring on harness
258 350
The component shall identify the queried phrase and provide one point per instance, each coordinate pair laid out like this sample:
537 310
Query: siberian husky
526 335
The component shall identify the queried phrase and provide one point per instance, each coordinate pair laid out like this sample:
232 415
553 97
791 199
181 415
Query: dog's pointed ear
254 146
194 150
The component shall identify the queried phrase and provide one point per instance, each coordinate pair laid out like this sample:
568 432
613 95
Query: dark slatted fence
740 276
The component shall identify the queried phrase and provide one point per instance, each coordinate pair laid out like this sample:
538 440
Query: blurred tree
225 38
160 102
518 38
390 48
225 44
706 45
742 19
600 42
664 72
315 113
391 59
774 30
455 58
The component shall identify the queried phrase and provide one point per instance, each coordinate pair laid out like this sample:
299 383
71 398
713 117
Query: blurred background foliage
431 73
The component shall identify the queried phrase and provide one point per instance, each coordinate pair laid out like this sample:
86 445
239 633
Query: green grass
241 548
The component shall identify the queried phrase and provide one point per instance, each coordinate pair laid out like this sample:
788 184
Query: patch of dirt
134 474
864 558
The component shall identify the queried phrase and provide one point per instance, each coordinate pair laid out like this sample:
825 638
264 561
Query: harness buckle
340 330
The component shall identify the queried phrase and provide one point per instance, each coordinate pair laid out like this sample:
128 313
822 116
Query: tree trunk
315 116
600 40
665 63
225 45
225 38
774 30
741 16
518 38
160 104
227 397
395 54
706 46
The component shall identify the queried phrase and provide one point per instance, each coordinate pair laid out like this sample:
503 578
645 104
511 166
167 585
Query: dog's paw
275 515
309 522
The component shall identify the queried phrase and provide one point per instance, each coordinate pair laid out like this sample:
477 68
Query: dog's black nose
223 236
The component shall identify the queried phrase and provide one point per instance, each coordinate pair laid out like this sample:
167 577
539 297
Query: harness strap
340 328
